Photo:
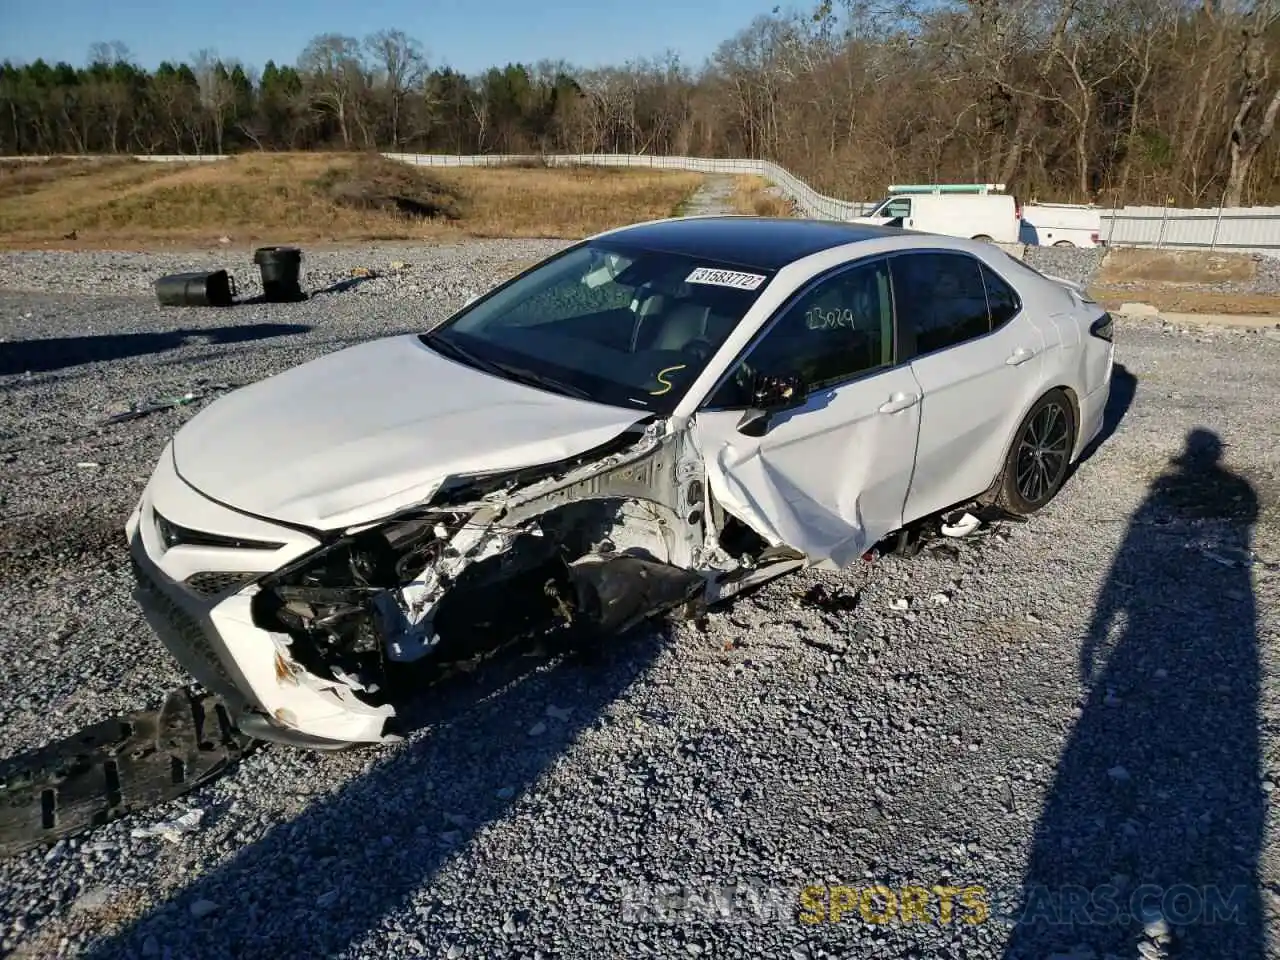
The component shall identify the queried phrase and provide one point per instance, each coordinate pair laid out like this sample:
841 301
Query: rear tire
983 237
1064 243
1039 457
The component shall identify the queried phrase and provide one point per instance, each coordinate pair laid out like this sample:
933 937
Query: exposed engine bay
597 543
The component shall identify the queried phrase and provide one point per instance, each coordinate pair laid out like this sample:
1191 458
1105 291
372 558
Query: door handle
899 401
1021 355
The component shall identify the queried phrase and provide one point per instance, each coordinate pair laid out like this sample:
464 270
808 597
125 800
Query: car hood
360 433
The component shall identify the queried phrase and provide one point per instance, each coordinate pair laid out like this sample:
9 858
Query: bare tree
109 95
1245 141
216 93
1142 26
478 105
335 76
1089 63
110 54
401 66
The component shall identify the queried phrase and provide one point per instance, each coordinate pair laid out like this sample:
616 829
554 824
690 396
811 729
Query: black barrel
280 268
213 288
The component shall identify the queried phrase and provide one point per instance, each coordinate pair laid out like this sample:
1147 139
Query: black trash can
280 268
213 288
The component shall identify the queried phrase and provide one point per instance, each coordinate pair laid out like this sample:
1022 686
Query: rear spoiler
1063 281
1077 289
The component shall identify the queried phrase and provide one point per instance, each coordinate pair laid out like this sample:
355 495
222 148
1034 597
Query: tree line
1128 100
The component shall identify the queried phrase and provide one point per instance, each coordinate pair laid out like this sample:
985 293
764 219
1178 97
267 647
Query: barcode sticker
726 278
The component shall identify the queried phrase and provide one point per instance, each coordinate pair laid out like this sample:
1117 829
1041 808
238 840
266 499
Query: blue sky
467 35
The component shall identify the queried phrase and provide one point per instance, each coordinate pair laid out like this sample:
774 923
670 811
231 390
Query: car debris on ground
141 408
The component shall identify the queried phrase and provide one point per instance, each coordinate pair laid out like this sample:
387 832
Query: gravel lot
1086 699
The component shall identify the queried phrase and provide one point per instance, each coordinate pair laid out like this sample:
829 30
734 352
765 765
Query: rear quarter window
1002 299
1028 272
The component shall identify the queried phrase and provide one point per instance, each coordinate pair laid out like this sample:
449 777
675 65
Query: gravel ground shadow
314 886
1149 839
58 353
1124 387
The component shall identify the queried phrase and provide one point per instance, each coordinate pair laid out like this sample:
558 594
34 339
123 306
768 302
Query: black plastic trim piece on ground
116 767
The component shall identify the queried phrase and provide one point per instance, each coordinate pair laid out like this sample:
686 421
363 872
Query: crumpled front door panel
829 478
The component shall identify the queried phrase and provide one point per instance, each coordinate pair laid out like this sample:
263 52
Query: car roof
764 243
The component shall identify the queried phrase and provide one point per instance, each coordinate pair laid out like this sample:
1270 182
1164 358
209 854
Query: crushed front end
316 637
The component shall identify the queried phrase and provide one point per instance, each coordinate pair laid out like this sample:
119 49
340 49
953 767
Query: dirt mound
1128 265
375 184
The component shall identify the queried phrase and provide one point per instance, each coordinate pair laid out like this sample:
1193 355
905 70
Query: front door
828 478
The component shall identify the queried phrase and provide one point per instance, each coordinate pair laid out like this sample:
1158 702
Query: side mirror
770 395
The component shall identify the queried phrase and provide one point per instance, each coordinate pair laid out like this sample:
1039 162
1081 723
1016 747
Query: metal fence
808 200
1231 229
1239 229
1234 229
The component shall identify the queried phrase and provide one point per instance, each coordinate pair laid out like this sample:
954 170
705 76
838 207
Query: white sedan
655 418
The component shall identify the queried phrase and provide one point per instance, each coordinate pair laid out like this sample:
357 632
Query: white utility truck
1062 224
981 211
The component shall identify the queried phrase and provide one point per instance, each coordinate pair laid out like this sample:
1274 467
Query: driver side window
839 329
898 207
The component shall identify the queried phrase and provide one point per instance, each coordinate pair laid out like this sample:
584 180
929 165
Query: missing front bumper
218 645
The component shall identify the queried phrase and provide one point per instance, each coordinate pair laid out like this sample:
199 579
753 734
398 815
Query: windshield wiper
533 378
451 349
507 370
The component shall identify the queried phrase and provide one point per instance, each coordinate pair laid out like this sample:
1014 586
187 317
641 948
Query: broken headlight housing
325 600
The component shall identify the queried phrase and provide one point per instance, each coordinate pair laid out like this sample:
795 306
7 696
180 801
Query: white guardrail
1231 229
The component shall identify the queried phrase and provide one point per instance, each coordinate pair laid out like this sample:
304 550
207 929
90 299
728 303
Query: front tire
1039 457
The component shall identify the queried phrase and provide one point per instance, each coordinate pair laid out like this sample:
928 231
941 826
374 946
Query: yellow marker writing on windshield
666 384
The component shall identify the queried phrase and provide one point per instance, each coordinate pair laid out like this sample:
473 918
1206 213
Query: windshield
606 323
893 207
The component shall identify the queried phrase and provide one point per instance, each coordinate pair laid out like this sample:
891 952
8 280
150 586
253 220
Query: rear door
979 368
828 478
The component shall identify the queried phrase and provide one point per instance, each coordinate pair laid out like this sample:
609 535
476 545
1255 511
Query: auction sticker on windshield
725 278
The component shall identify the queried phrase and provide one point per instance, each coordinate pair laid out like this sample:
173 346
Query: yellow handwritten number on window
660 376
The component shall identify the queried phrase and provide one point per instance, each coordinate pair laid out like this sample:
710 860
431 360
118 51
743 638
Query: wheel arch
1022 415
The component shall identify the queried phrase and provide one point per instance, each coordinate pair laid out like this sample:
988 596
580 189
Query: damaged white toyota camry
653 419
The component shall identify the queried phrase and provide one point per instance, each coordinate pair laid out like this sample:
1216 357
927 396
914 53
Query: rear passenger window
1001 299
941 298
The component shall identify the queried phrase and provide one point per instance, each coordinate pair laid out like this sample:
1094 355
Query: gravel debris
401 269
715 196
697 789
1078 266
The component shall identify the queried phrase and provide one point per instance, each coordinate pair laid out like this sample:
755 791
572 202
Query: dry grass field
319 197
754 196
